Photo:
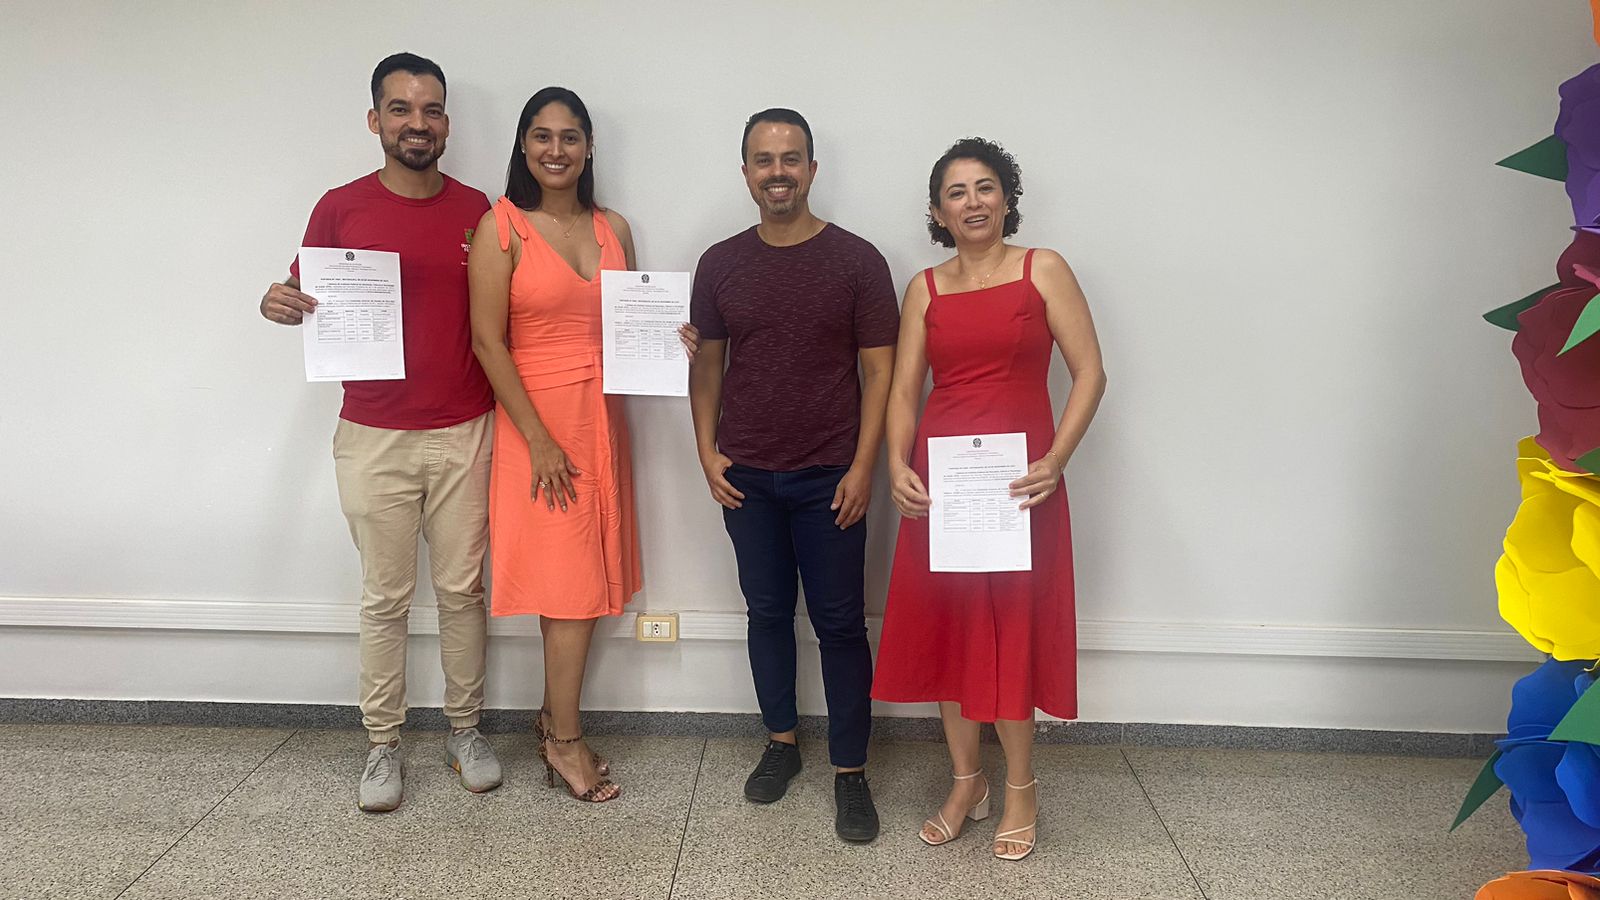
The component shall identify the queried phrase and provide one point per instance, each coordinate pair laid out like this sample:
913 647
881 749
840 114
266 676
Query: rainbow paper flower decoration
1549 575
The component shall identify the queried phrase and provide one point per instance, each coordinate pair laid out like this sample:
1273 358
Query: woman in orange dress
563 534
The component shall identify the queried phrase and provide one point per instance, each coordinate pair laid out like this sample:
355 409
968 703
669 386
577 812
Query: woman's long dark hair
521 187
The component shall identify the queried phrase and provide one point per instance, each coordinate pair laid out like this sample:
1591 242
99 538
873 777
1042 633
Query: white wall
1285 216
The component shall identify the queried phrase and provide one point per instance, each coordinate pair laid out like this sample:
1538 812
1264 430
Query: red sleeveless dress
999 643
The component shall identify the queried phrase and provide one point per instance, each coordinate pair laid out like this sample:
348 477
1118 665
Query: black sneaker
770 781
855 818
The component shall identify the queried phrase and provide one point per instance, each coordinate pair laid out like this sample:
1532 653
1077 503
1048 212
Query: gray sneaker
383 780
468 752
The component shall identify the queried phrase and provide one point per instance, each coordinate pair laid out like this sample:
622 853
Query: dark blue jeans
785 529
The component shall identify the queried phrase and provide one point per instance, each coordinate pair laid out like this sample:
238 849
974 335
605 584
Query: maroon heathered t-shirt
794 318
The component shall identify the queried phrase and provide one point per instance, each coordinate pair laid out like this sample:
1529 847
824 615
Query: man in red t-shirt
788 437
412 456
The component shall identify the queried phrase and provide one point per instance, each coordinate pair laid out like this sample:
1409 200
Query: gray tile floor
172 812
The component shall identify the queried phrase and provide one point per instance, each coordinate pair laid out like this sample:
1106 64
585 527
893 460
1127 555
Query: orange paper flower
1541 885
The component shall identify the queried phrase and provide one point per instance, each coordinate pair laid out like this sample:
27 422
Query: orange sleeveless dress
584 562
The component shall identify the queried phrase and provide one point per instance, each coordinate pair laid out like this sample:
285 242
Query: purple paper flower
1555 786
1578 124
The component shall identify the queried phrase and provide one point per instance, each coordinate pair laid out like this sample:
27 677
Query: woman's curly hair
995 157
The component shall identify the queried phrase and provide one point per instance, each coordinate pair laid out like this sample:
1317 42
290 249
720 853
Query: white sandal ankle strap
1021 787
967 777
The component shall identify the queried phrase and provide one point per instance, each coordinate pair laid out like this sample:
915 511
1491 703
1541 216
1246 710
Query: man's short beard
783 208
408 158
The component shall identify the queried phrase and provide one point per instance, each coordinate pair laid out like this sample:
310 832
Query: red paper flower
1567 387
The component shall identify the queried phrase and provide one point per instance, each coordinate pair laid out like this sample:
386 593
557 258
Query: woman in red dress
988 646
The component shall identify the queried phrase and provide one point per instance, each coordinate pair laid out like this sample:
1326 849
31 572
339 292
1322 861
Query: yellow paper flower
1549 577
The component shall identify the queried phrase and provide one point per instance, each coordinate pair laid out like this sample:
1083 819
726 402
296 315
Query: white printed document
974 524
355 333
640 313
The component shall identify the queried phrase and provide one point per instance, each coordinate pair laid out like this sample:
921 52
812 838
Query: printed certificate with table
640 314
974 524
355 333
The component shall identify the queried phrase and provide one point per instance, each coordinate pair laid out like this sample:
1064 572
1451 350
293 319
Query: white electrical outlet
656 626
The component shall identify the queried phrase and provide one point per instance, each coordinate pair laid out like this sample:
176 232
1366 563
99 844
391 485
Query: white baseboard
1093 635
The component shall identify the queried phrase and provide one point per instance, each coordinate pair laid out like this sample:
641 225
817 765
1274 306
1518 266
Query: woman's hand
908 492
690 336
552 472
1044 476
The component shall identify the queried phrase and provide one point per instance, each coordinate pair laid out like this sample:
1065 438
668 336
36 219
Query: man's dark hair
1005 168
521 187
402 62
776 114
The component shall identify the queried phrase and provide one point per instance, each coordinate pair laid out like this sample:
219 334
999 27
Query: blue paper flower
1555 786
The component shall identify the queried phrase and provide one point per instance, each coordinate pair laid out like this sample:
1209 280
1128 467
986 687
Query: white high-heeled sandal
977 813
1006 836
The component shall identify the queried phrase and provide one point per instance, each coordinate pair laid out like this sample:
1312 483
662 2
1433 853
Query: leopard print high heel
601 791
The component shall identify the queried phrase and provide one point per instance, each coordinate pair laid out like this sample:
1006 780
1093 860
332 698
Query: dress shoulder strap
1027 266
603 232
933 291
508 218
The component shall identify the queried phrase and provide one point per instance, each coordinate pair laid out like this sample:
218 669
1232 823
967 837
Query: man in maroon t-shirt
788 439
412 456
